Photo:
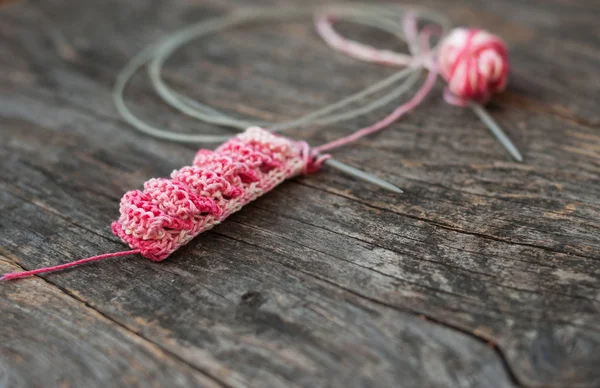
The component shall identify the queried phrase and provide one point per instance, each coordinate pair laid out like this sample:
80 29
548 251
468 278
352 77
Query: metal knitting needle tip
355 172
496 131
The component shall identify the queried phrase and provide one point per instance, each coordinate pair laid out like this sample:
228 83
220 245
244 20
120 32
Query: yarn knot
475 65
313 160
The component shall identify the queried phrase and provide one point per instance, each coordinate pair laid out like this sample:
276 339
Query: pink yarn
168 213
475 65
474 62
416 39
324 26
24 274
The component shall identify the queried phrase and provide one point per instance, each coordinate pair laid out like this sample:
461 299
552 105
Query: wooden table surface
486 273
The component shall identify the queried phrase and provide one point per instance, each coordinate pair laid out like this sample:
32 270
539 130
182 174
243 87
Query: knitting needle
496 131
355 172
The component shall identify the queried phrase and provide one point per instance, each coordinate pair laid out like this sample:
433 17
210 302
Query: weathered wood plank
323 281
51 339
220 309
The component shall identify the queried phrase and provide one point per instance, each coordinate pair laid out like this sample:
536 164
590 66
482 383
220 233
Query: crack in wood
444 226
488 341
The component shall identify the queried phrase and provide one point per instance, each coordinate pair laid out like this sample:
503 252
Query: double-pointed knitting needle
355 172
496 131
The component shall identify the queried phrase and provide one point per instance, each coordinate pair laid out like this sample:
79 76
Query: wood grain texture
485 273
50 338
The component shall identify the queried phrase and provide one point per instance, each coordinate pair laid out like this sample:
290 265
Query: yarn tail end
25 274
13 276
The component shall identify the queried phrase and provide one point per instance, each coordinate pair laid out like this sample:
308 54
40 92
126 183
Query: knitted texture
168 213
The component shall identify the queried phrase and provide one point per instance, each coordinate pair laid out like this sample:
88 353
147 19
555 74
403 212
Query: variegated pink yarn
475 65
474 62
168 213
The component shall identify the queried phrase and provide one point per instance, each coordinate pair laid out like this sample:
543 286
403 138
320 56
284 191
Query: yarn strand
24 274
389 18
423 41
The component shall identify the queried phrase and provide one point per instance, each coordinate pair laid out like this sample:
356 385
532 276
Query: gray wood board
484 273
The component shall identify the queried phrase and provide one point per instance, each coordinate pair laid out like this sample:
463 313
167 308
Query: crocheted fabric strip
168 213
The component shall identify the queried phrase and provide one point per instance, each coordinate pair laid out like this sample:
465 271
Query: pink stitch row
168 213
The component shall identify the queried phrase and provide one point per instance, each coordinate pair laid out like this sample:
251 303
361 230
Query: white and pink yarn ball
475 65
